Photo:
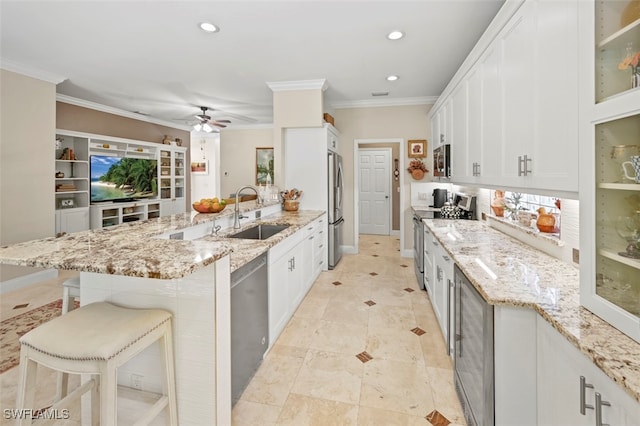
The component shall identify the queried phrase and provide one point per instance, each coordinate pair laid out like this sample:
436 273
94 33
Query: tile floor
362 349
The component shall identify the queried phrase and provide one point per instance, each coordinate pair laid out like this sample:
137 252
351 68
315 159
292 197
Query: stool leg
62 385
26 385
108 395
67 300
170 383
95 401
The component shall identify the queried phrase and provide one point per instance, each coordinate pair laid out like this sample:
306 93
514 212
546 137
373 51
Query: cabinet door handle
311 237
446 258
583 389
599 404
434 243
439 273
519 165
294 262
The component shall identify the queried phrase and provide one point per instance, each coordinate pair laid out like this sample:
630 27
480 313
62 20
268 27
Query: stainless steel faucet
236 213
215 228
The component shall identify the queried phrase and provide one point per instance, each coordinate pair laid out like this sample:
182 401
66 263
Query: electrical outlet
136 381
422 196
484 216
576 256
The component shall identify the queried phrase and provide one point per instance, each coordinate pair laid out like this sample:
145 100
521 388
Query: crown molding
368 103
117 111
32 72
257 126
281 86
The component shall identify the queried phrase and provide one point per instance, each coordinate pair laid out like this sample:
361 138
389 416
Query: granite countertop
526 277
132 249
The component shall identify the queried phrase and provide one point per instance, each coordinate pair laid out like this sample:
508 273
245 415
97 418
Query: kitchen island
514 276
137 265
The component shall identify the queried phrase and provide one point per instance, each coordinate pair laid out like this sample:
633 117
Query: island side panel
200 305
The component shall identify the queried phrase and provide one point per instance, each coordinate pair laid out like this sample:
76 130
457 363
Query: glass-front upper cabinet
617 56
610 162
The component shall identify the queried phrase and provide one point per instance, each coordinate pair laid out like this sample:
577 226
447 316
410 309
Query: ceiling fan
205 122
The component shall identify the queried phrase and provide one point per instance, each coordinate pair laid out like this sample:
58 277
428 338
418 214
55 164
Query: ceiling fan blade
215 123
222 121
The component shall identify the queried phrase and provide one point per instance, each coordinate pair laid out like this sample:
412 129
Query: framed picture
67 203
417 148
200 167
264 165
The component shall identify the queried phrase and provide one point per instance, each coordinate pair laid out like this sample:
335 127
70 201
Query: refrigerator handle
339 186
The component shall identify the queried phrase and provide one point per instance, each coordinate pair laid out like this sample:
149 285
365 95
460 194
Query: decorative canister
291 205
546 221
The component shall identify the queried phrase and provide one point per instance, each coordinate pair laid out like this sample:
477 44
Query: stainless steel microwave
442 161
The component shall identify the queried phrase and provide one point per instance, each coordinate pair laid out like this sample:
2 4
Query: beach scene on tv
115 178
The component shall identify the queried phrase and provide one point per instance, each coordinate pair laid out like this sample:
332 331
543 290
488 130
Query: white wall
205 147
238 156
27 167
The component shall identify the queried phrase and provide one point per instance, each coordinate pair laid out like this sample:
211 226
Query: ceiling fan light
197 127
209 27
207 128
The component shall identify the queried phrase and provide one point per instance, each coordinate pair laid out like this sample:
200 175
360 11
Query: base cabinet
72 220
111 214
286 275
560 368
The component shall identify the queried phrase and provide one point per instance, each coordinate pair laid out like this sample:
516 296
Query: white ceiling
151 57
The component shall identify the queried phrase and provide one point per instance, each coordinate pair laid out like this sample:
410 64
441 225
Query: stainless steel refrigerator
336 221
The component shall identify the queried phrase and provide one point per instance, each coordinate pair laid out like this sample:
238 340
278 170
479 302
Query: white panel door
374 168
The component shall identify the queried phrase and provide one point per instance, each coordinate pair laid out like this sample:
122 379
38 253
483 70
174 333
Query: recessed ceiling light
209 27
392 78
395 35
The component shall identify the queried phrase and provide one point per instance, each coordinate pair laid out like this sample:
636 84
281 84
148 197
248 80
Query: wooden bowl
208 208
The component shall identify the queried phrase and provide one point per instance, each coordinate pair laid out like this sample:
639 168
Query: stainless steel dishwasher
249 322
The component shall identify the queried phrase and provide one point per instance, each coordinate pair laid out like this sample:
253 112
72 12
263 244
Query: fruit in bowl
209 205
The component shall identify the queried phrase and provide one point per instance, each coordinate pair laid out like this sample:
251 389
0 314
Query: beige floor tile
349 312
444 394
393 296
300 410
246 413
385 316
273 380
348 339
397 386
312 307
394 344
369 416
331 376
298 333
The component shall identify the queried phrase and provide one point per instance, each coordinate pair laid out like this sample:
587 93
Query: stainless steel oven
473 352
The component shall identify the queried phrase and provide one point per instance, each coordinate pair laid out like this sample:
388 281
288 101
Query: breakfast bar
141 265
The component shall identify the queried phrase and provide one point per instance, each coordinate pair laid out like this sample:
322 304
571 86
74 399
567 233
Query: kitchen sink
259 232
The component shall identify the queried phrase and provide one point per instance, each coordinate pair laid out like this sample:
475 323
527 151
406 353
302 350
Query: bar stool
70 290
96 339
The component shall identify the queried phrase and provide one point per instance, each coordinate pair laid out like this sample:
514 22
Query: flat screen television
122 179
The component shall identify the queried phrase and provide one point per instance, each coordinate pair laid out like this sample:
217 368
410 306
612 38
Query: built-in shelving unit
111 214
610 198
74 210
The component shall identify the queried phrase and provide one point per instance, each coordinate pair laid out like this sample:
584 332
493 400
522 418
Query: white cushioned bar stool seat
96 339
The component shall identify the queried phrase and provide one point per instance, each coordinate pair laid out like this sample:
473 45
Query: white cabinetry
610 135
71 183
110 214
172 180
438 281
286 269
560 367
520 109
313 251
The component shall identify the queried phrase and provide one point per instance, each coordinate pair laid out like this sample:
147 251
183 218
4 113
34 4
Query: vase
417 174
